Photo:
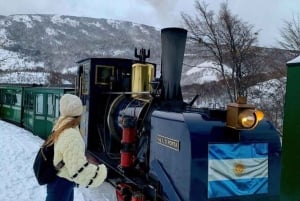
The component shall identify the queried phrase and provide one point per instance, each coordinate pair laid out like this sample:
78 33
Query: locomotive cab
108 92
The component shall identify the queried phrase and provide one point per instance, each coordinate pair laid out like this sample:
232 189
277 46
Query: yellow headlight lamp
248 118
243 116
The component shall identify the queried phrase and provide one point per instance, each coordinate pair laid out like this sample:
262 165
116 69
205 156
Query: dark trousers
60 190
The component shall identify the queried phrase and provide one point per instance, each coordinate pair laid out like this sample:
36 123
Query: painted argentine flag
237 169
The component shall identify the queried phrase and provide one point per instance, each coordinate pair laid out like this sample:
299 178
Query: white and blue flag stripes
237 169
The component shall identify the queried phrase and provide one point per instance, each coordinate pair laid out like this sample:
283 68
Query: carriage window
56 106
10 98
50 104
104 74
28 101
18 99
39 104
85 79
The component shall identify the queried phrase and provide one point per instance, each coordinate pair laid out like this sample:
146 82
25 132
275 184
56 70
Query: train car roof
64 86
294 62
105 58
111 59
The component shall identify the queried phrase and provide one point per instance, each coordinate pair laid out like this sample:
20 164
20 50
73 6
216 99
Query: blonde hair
74 121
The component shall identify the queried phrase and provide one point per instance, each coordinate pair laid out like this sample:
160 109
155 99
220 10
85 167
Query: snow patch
11 61
24 78
71 70
2 22
37 18
115 24
84 32
25 19
57 19
266 91
295 60
206 72
51 32
61 32
96 24
3 38
118 52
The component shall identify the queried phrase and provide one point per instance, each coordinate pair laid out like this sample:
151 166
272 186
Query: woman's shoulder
70 135
69 131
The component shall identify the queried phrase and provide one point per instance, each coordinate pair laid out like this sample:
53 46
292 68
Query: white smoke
166 12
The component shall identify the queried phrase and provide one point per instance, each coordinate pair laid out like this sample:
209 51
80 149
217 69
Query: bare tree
57 78
290 34
226 40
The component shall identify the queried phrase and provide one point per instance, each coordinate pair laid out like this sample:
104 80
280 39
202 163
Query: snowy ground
17 182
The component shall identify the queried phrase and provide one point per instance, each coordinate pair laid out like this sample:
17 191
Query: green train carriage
11 103
290 174
33 107
41 108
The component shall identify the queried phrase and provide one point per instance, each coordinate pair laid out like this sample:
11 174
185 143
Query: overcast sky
266 15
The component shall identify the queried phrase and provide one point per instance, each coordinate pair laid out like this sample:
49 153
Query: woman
69 147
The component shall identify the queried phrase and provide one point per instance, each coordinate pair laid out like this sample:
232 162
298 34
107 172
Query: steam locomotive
158 147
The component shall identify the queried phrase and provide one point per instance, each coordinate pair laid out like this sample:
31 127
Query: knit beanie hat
70 106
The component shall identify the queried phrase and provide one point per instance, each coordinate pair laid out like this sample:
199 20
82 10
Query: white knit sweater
70 148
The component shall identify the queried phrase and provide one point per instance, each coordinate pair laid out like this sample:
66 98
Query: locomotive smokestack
173 46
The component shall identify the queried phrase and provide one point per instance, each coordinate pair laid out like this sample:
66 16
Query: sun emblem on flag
239 169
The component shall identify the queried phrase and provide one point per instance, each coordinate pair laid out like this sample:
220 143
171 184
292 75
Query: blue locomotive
157 147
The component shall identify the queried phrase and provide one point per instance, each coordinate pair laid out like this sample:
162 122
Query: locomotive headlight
247 118
243 116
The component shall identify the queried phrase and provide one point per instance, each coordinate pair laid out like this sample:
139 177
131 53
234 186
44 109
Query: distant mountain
46 43
56 42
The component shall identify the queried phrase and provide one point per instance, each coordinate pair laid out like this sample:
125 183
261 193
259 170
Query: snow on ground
18 148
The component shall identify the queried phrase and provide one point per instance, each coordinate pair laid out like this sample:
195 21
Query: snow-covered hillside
40 78
56 42
13 61
204 72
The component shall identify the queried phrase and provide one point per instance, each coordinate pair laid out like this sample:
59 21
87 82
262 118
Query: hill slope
57 42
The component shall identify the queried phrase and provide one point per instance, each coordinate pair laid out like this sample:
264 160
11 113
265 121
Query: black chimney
173 46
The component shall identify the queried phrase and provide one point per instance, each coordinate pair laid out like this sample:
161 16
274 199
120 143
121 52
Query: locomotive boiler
158 147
